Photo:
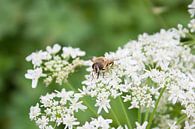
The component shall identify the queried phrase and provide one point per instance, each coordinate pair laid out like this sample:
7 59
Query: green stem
139 115
55 125
191 36
155 108
181 119
70 86
125 112
188 43
84 101
146 114
115 117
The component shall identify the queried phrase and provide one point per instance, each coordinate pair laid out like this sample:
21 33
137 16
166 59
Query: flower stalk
139 115
125 112
181 119
155 108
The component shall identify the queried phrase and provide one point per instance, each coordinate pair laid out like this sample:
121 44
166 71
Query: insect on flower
101 64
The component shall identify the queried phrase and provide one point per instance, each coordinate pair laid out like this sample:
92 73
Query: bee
101 64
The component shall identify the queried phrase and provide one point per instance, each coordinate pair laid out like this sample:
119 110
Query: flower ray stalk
146 114
181 119
125 112
155 108
139 115
115 117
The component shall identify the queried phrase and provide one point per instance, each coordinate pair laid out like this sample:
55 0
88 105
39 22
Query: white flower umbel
141 68
57 108
56 63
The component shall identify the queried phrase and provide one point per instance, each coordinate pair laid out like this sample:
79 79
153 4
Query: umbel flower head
57 108
141 68
56 63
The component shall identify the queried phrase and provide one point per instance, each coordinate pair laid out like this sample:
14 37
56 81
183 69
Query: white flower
34 75
189 110
53 50
76 105
188 126
102 123
191 25
175 94
173 126
65 96
191 9
42 122
34 111
103 102
181 31
73 52
143 126
134 104
38 57
70 121
139 97
47 100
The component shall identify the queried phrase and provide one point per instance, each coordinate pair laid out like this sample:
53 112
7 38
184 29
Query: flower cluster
57 108
139 97
102 88
54 63
142 68
152 58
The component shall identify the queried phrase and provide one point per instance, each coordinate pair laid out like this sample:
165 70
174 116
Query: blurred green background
96 26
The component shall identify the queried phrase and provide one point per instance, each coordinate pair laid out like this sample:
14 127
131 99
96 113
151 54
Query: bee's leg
103 74
111 64
98 74
92 74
